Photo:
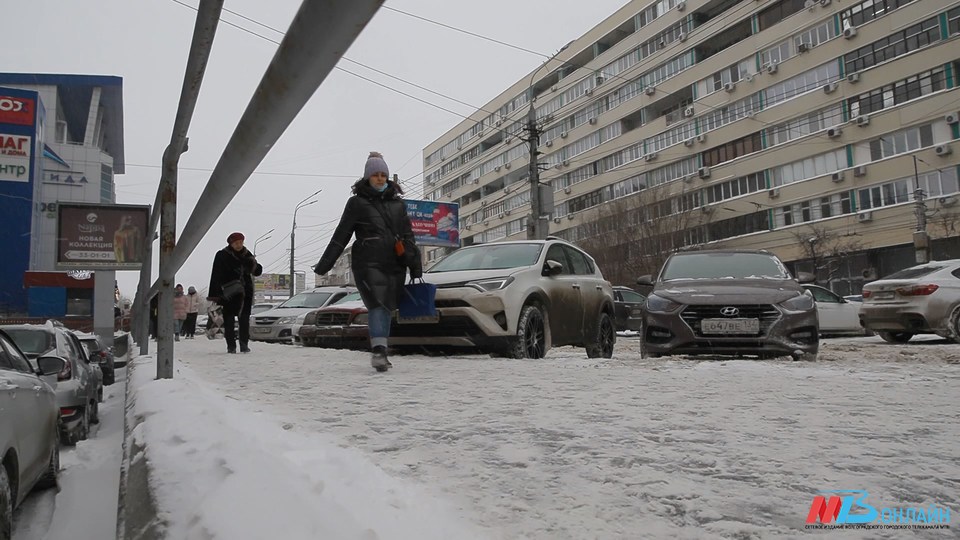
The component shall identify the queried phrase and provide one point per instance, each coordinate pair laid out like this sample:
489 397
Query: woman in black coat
378 217
232 263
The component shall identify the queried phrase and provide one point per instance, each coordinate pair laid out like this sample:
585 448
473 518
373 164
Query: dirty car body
923 299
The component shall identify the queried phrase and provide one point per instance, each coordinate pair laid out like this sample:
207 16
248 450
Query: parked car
836 316
277 324
261 307
728 302
628 309
923 299
100 355
516 299
341 325
853 298
29 432
78 391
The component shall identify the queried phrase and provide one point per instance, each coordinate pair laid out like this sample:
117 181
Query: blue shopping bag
418 301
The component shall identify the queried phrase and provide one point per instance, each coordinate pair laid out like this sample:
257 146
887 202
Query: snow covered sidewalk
565 447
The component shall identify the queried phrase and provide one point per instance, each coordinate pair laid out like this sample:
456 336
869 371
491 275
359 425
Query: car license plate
730 326
883 295
418 320
260 330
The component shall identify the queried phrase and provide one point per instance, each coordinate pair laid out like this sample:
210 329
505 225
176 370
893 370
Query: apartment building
758 120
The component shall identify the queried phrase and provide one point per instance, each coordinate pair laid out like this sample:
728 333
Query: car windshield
352 297
913 273
630 296
724 266
490 257
32 342
91 344
306 300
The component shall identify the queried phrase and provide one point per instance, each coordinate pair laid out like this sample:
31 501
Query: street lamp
293 230
537 230
265 236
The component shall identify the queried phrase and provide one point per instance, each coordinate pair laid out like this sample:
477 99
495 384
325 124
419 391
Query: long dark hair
366 181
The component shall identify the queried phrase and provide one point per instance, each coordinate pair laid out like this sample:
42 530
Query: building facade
804 127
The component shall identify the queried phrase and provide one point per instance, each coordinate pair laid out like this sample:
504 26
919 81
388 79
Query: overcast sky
146 43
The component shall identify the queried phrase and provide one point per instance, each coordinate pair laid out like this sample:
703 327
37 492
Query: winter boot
232 348
378 358
244 347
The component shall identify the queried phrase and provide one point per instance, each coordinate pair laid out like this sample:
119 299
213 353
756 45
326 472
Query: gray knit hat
375 164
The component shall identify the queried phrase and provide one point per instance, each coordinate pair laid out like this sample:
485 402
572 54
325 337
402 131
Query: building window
805 125
778 12
888 194
733 149
801 84
810 167
913 38
739 226
953 21
901 142
734 188
869 10
106 183
815 35
812 210
899 92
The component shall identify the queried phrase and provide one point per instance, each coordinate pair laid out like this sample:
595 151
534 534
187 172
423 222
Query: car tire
95 413
51 475
605 338
6 504
84 431
531 340
955 324
895 337
804 357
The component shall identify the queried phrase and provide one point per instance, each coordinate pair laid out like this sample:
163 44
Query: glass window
578 262
912 38
306 300
490 257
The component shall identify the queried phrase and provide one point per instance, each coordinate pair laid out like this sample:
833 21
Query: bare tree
826 249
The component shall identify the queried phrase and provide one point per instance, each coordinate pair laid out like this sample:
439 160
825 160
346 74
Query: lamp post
264 236
293 230
538 227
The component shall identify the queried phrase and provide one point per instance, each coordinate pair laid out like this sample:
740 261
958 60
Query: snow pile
219 471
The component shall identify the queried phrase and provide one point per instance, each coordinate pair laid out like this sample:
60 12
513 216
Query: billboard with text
435 223
108 236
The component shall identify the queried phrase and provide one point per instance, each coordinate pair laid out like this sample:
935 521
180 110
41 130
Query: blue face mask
383 188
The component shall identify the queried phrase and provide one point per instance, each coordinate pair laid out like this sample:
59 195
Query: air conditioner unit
681 6
688 142
500 215
688 178
485 222
860 170
830 87
566 162
506 212
748 77
810 4
863 120
483 203
468 227
682 36
824 3
850 33
650 90
567 190
853 78
803 47
702 138
563 134
496 169
549 143
707 209
942 150
834 132
688 112
498 122
556 220
593 121
599 80
772 67
749 114
952 118
443 158
947 201
588 91
837 176
650 157
703 172
508 140
507 165
506 189
864 217
570 216
729 87
774 193
557 166
869 274
553 88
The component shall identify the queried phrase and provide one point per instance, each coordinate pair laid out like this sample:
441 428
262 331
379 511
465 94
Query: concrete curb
137 517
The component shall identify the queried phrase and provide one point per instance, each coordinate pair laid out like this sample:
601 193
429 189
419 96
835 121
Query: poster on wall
435 223
15 152
107 236
269 283
16 110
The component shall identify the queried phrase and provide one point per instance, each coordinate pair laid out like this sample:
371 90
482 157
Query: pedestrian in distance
193 308
179 311
231 286
382 254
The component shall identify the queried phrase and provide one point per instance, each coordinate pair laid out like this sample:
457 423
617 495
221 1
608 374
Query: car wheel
531 341
50 476
84 431
955 324
895 337
804 357
6 504
602 345
95 414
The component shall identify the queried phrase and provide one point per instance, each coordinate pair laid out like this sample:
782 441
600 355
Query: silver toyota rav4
517 299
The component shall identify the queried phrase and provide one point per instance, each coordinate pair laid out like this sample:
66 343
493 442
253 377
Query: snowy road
569 447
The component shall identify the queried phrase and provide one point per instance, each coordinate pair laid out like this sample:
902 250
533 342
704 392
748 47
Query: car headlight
801 302
658 303
287 320
360 320
488 285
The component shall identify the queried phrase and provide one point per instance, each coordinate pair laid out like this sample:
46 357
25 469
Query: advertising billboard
15 152
435 223
16 110
279 283
108 236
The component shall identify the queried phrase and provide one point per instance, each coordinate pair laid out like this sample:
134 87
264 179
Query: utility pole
293 231
921 241
534 231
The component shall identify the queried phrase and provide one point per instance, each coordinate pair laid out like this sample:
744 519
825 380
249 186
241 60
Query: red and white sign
16 110
15 153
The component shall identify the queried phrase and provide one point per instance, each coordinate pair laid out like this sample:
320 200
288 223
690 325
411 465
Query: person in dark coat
232 263
378 217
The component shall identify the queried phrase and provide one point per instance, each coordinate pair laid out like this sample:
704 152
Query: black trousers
190 325
236 313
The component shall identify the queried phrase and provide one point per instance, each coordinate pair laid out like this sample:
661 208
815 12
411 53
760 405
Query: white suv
517 299
277 324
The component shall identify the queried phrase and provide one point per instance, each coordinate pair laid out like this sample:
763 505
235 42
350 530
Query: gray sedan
922 299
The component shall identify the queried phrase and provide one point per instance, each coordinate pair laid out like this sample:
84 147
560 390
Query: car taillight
65 374
103 354
67 412
866 293
918 290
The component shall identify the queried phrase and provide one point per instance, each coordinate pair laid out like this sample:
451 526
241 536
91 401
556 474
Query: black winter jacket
229 265
376 218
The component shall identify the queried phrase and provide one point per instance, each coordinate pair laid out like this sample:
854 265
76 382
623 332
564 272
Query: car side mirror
50 365
806 277
646 280
552 268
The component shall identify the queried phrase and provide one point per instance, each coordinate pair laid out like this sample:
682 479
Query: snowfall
306 443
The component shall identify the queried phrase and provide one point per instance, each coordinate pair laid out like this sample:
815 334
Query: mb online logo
838 506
